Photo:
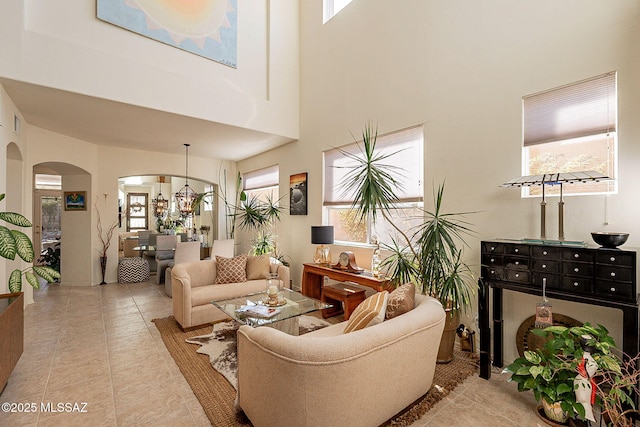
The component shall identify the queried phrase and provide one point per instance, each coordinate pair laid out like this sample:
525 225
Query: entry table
313 277
596 276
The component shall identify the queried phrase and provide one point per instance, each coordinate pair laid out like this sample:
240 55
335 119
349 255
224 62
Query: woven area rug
216 395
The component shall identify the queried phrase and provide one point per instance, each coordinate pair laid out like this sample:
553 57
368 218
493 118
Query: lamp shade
322 235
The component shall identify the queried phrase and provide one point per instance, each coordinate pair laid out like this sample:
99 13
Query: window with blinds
262 183
404 151
572 128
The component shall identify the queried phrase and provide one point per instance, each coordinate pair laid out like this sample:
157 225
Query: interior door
137 213
47 231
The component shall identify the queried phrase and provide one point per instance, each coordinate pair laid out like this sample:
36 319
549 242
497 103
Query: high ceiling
110 123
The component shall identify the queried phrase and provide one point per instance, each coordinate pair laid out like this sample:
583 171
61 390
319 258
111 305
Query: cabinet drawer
553 280
572 254
492 248
619 274
546 252
493 273
577 269
545 265
577 284
518 276
625 259
615 290
492 260
520 250
517 263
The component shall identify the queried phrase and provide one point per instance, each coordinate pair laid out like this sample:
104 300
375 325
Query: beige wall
63 45
461 69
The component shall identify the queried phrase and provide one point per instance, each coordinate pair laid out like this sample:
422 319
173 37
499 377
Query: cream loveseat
195 284
328 378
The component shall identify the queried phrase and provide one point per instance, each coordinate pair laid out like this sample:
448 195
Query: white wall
61 44
461 68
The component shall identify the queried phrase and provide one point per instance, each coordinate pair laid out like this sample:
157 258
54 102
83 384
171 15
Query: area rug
221 344
216 395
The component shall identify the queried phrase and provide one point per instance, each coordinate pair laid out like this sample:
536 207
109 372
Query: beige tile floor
98 345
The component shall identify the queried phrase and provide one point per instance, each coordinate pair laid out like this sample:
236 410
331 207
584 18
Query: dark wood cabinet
11 334
596 276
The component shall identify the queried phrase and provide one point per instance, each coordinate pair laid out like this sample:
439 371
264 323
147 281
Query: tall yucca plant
427 254
14 242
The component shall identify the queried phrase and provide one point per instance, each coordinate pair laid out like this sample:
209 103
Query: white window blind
261 178
407 146
580 109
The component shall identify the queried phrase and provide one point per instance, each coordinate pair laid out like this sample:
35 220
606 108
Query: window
406 146
262 183
332 7
572 129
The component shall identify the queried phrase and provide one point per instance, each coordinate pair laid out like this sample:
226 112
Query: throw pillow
401 300
370 312
258 267
231 270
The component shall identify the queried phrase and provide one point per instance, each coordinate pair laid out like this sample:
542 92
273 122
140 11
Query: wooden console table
11 334
596 276
313 277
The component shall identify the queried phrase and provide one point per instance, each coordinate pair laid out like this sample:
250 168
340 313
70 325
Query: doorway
47 227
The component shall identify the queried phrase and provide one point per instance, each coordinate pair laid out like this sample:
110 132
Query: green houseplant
550 371
430 254
14 242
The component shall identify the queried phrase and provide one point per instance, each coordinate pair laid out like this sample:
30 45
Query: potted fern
14 242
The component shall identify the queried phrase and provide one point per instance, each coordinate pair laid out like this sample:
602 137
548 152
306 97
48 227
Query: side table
341 294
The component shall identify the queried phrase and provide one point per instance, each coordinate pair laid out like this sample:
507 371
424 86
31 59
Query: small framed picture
75 200
298 194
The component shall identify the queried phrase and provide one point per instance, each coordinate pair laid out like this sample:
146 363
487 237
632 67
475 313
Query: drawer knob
517 250
517 274
613 274
544 252
613 289
576 284
576 269
517 262
576 255
612 259
493 248
493 271
493 260
544 265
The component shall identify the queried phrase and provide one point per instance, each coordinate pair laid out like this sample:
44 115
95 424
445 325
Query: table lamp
322 235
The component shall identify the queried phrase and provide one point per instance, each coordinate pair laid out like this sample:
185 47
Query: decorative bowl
608 239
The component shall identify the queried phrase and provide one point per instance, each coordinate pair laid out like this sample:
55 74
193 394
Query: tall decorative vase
103 268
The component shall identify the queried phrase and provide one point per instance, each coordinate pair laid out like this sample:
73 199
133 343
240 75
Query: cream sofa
327 378
193 287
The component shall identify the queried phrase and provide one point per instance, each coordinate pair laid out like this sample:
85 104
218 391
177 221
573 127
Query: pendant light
160 204
186 196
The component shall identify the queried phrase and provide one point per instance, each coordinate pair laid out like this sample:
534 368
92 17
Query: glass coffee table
253 309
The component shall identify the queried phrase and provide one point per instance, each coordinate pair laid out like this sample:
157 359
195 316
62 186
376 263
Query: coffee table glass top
296 304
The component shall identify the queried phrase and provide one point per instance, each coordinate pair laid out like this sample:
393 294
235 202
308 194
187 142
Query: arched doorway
69 225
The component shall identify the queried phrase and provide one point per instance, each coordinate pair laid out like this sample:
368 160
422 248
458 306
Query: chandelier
186 196
160 204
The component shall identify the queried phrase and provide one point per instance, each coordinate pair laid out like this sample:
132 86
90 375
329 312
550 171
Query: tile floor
98 345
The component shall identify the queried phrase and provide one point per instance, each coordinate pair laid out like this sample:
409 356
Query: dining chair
165 247
185 252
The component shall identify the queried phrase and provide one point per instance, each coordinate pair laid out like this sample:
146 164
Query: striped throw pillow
370 312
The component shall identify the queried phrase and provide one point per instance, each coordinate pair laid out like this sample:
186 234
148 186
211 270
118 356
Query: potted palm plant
430 254
14 242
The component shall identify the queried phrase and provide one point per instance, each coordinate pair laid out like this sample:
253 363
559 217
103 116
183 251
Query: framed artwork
75 200
205 28
298 194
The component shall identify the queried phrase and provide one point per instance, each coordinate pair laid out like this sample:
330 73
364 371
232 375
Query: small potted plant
550 371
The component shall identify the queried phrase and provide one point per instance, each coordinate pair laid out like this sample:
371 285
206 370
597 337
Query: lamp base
322 256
